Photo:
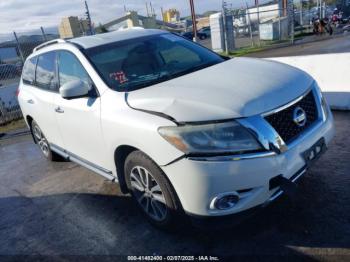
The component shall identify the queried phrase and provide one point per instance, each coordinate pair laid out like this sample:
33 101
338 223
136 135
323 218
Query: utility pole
88 18
194 22
152 10
162 12
147 9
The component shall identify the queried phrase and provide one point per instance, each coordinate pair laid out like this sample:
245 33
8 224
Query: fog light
225 201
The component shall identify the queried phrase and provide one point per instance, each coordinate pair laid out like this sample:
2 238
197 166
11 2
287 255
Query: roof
106 38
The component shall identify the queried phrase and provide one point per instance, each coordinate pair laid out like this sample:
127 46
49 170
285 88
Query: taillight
17 92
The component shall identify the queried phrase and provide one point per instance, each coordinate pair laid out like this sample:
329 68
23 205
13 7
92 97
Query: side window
70 69
45 71
28 75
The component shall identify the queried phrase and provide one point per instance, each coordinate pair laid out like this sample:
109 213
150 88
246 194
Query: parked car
187 132
8 71
189 35
206 31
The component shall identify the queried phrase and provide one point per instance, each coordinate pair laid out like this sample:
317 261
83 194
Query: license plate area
314 152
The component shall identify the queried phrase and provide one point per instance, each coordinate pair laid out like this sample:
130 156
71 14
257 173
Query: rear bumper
197 183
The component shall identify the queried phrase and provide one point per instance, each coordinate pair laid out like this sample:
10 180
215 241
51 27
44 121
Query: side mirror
74 89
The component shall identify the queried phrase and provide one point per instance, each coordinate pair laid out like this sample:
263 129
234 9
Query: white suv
182 129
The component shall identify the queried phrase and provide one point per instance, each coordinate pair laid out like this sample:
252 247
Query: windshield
141 62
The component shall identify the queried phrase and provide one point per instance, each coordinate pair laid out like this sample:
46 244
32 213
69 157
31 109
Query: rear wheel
43 144
151 190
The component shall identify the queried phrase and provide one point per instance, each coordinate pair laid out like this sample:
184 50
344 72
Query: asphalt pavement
54 209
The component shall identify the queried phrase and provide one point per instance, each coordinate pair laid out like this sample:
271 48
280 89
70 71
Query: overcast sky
27 15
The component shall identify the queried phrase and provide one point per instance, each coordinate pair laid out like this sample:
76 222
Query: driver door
79 118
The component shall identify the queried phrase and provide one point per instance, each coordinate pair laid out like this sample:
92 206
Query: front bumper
197 181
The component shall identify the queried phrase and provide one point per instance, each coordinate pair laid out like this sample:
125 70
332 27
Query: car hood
239 87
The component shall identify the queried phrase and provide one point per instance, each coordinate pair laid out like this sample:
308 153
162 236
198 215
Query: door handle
30 101
59 110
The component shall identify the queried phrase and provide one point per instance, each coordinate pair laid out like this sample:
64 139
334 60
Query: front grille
283 123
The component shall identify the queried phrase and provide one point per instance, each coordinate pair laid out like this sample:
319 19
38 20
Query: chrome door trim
85 163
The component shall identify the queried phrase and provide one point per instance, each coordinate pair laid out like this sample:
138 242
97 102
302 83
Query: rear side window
28 75
70 69
45 71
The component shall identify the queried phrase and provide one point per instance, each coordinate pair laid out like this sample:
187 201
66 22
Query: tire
159 201
43 144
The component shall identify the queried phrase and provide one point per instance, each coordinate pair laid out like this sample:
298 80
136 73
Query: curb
297 42
4 136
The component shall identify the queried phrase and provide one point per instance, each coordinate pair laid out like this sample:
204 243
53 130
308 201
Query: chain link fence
13 52
270 24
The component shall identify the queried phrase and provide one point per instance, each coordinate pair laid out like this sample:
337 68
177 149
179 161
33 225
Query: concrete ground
54 209
336 44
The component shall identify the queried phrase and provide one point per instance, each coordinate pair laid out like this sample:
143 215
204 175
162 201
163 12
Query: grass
263 45
12 126
243 51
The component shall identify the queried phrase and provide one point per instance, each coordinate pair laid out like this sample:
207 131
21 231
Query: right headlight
323 100
216 138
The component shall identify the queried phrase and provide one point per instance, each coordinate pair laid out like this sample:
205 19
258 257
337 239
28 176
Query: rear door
79 118
39 94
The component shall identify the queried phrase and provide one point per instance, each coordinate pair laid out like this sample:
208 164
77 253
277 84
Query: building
202 22
72 26
171 16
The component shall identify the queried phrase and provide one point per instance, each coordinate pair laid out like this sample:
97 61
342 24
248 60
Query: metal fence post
258 16
19 47
224 23
250 26
279 25
43 33
301 13
292 10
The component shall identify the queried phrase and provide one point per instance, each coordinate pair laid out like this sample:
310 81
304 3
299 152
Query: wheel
43 143
152 191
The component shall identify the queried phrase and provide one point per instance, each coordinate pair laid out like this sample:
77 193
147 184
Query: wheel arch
29 121
120 155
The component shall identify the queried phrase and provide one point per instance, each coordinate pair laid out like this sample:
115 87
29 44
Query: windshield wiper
143 84
166 77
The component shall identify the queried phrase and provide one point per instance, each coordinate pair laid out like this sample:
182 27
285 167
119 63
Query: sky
25 16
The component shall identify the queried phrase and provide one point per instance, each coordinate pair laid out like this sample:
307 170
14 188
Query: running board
74 158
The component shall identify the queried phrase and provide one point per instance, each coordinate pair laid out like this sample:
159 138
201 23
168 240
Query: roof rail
52 42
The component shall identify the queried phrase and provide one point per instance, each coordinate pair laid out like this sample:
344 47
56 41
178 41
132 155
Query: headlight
322 100
227 137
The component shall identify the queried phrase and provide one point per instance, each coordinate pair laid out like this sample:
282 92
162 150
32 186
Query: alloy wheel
148 193
41 140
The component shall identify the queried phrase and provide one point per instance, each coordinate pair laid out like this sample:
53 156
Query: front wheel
151 190
43 144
